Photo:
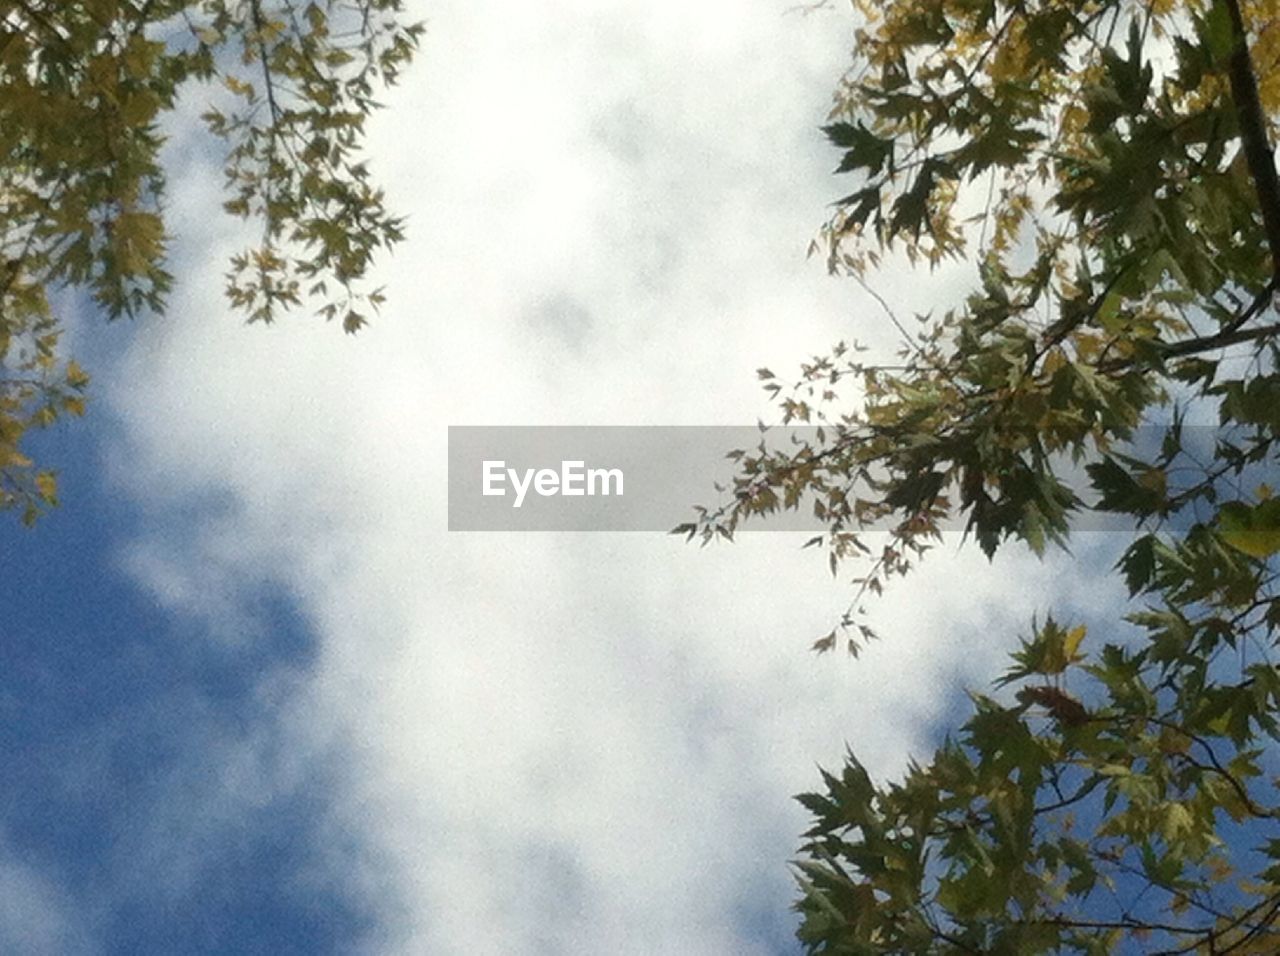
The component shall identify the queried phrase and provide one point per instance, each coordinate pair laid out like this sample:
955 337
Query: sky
257 698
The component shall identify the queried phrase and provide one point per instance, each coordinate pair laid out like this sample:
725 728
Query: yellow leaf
1071 642
12 458
47 486
76 376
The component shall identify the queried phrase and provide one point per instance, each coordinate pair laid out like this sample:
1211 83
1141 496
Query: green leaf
866 151
1255 530
1138 564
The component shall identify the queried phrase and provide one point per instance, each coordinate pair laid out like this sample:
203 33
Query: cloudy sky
256 698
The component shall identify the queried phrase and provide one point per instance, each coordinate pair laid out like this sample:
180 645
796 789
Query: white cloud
558 743
36 917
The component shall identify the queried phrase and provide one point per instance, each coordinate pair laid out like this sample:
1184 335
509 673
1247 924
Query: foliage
83 89
1108 167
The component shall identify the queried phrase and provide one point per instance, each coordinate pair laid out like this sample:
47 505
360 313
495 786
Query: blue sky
109 715
257 699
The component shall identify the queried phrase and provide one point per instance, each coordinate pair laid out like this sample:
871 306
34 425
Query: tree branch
1253 132
1230 334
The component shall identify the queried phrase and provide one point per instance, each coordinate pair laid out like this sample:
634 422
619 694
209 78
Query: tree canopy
83 88
1108 168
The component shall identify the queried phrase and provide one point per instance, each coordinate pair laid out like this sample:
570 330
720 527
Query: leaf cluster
83 89
1108 168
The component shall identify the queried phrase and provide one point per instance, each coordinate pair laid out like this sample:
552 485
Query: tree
1108 166
83 87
